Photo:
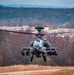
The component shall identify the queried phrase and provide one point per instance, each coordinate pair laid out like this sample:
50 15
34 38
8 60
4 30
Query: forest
11 43
13 16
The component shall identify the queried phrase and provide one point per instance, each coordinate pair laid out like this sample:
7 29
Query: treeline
22 16
69 24
11 43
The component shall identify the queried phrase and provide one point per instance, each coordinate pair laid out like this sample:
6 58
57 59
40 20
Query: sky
63 3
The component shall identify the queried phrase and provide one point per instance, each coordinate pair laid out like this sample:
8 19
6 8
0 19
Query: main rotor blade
20 32
55 33
17 32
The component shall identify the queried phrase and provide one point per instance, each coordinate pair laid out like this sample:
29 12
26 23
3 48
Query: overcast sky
66 3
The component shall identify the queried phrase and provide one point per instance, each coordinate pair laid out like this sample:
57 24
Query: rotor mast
39 29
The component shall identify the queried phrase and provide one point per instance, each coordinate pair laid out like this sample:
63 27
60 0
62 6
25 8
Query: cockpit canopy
38 42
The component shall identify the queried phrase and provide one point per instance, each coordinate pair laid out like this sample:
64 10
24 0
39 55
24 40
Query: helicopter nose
36 48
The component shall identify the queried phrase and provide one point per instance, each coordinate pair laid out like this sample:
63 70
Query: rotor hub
39 29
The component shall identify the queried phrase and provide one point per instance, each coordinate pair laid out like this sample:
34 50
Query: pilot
46 43
38 42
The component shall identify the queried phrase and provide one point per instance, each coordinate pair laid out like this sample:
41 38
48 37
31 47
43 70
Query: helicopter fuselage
40 47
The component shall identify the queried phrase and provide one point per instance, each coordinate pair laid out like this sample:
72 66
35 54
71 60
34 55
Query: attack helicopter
40 47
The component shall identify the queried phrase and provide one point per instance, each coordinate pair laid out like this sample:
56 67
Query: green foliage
57 16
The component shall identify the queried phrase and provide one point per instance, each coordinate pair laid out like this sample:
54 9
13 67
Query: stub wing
48 51
26 50
51 51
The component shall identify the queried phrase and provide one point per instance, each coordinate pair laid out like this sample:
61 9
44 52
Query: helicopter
40 47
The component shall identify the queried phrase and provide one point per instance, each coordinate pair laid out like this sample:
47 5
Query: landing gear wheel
32 57
44 57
